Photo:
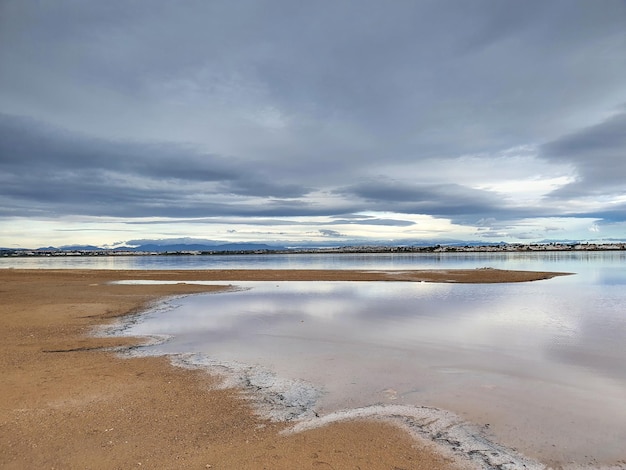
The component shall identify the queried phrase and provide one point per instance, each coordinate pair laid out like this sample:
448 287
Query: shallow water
542 365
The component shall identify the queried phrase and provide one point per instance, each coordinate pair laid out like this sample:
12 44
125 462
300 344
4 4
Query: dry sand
68 402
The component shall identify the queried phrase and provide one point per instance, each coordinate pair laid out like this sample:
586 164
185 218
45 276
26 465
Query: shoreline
70 403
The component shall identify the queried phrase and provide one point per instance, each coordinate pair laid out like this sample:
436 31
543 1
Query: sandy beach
68 401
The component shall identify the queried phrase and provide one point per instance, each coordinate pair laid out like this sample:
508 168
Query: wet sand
68 401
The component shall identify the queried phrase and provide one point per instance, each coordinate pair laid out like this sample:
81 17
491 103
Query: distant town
243 249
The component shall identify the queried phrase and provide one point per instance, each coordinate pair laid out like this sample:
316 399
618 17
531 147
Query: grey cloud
436 199
458 203
597 152
28 146
213 220
614 213
372 221
265 186
235 109
171 241
427 78
53 170
330 233
90 200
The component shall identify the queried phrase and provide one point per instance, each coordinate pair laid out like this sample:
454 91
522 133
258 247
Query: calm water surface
542 363
535 260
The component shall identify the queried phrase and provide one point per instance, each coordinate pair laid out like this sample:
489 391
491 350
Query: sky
326 122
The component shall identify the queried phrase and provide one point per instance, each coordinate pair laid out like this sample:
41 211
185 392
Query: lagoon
540 366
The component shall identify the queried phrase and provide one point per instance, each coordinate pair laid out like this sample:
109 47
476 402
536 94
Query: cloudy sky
326 121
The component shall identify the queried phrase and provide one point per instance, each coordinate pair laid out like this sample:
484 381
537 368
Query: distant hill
154 248
70 248
80 248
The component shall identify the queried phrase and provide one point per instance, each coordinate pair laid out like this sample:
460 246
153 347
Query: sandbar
69 401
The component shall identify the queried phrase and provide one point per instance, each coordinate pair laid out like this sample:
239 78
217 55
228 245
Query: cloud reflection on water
541 362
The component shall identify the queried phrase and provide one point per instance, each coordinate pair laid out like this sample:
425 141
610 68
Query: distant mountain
70 248
80 248
177 247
